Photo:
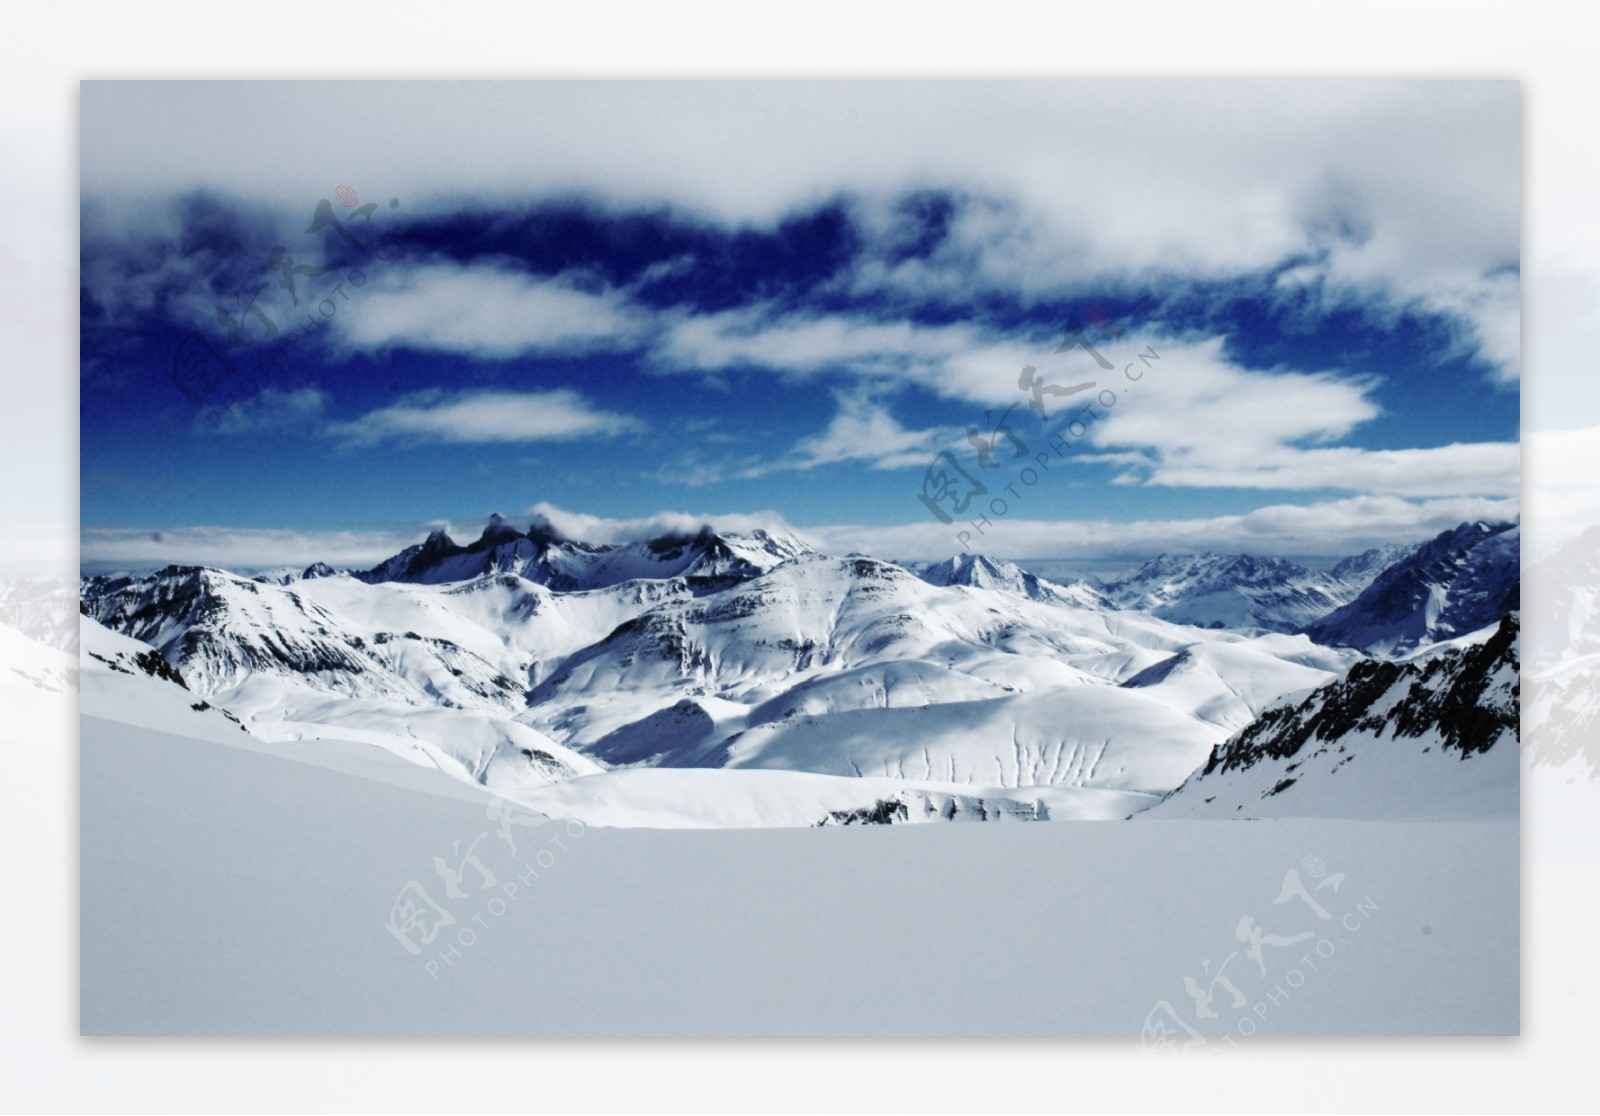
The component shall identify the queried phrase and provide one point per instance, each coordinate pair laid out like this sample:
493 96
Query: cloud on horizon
1327 529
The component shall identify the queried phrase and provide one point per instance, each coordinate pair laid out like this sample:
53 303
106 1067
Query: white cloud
270 409
484 311
1195 420
484 417
863 430
804 344
1408 190
956 361
1562 468
1187 418
242 549
1324 529
599 529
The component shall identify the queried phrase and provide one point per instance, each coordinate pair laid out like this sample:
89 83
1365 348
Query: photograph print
799 558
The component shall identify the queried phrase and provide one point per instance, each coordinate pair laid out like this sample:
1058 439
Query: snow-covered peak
1231 591
978 571
1362 569
288 575
546 557
1460 581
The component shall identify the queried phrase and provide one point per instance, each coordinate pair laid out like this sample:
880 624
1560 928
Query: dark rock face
886 811
154 665
1470 697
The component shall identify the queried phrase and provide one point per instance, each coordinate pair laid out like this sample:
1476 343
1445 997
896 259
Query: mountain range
748 679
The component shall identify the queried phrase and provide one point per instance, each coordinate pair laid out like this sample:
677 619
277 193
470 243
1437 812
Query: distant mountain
1436 737
542 555
1360 570
1461 581
288 575
1231 591
224 631
1561 708
1563 601
855 667
980 572
42 608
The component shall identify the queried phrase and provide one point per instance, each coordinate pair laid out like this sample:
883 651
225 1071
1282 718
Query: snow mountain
1360 570
980 572
1436 737
1231 591
42 608
1459 582
713 679
1562 704
833 667
334 658
542 555
288 575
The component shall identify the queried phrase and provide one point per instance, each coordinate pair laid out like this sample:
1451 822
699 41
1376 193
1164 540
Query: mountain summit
544 556
977 571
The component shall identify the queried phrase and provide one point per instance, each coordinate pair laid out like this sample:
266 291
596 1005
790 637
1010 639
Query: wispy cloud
485 417
244 549
271 409
964 361
1323 529
1563 474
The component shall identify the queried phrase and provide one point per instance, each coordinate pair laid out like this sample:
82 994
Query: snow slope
128 681
38 688
230 890
679 799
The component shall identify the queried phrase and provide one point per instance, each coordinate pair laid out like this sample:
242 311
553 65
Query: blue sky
777 303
